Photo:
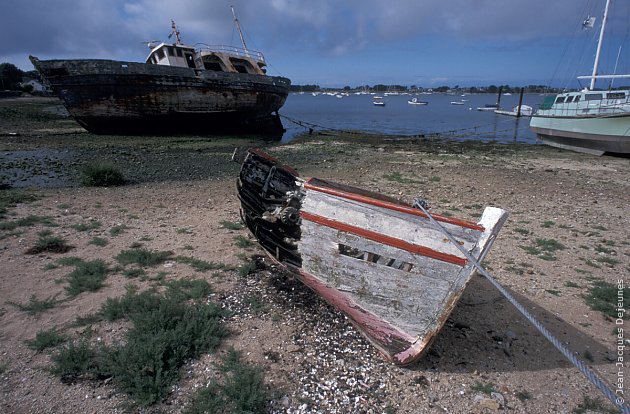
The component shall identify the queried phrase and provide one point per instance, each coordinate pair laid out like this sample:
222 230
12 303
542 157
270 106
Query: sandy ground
314 361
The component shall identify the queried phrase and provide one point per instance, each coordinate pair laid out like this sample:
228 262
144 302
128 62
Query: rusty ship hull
381 262
115 97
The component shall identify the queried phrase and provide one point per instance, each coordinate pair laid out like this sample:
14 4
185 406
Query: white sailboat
590 120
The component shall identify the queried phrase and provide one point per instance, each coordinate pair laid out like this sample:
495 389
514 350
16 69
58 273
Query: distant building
35 84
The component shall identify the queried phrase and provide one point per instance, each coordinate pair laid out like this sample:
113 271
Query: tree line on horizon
380 88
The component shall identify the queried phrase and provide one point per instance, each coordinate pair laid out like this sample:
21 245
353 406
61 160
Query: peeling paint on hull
379 261
113 97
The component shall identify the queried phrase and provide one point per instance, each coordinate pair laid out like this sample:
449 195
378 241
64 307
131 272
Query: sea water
459 122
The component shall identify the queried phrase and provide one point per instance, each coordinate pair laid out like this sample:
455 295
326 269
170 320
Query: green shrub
167 331
201 265
130 304
27 221
75 360
36 306
604 296
232 225
247 268
98 241
243 242
143 257
242 390
52 244
116 230
10 198
45 339
158 345
102 174
87 277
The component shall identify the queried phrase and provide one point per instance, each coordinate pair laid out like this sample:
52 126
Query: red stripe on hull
381 238
392 206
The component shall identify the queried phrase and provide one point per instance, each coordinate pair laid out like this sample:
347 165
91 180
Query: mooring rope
586 371
311 126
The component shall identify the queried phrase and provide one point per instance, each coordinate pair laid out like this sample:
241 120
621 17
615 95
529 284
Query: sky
334 43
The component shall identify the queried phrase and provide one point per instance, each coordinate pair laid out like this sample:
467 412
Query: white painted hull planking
381 262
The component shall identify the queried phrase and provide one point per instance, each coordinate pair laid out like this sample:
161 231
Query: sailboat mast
599 45
238 27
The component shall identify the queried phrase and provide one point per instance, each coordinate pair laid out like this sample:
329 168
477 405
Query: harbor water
397 117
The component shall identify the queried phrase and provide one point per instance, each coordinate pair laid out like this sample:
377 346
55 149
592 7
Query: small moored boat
378 101
415 101
383 263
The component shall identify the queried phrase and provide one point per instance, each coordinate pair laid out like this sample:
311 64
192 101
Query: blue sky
337 43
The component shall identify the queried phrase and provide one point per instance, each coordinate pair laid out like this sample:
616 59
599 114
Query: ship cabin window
577 98
569 99
616 95
593 96
190 61
560 99
171 51
212 62
179 53
160 54
242 66
214 66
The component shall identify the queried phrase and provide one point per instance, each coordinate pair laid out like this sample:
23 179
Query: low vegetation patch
119 229
45 339
604 296
241 389
98 241
544 248
232 225
51 244
484 388
397 177
243 242
10 198
35 306
87 277
167 330
27 221
594 405
143 257
202 265
102 174
247 268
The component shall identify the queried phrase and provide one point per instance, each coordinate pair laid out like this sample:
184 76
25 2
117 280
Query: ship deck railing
231 50
605 107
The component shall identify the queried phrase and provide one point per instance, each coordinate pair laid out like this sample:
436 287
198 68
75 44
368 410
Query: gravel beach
180 193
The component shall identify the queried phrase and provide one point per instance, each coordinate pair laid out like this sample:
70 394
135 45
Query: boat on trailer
179 89
383 263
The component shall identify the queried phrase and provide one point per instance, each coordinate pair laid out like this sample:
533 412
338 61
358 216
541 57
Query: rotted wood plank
387 239
415 230
364 197
413 308
320 240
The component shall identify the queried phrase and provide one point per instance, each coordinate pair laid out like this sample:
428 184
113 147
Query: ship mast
238 27
599 45
175 32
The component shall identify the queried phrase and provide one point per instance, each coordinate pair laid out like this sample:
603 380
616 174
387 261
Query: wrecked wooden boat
180 89
383 263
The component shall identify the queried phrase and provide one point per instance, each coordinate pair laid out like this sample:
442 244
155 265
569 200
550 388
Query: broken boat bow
381 262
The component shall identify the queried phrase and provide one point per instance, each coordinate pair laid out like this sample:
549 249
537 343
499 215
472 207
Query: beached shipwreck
387 265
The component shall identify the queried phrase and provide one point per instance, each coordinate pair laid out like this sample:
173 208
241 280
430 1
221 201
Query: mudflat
567 236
